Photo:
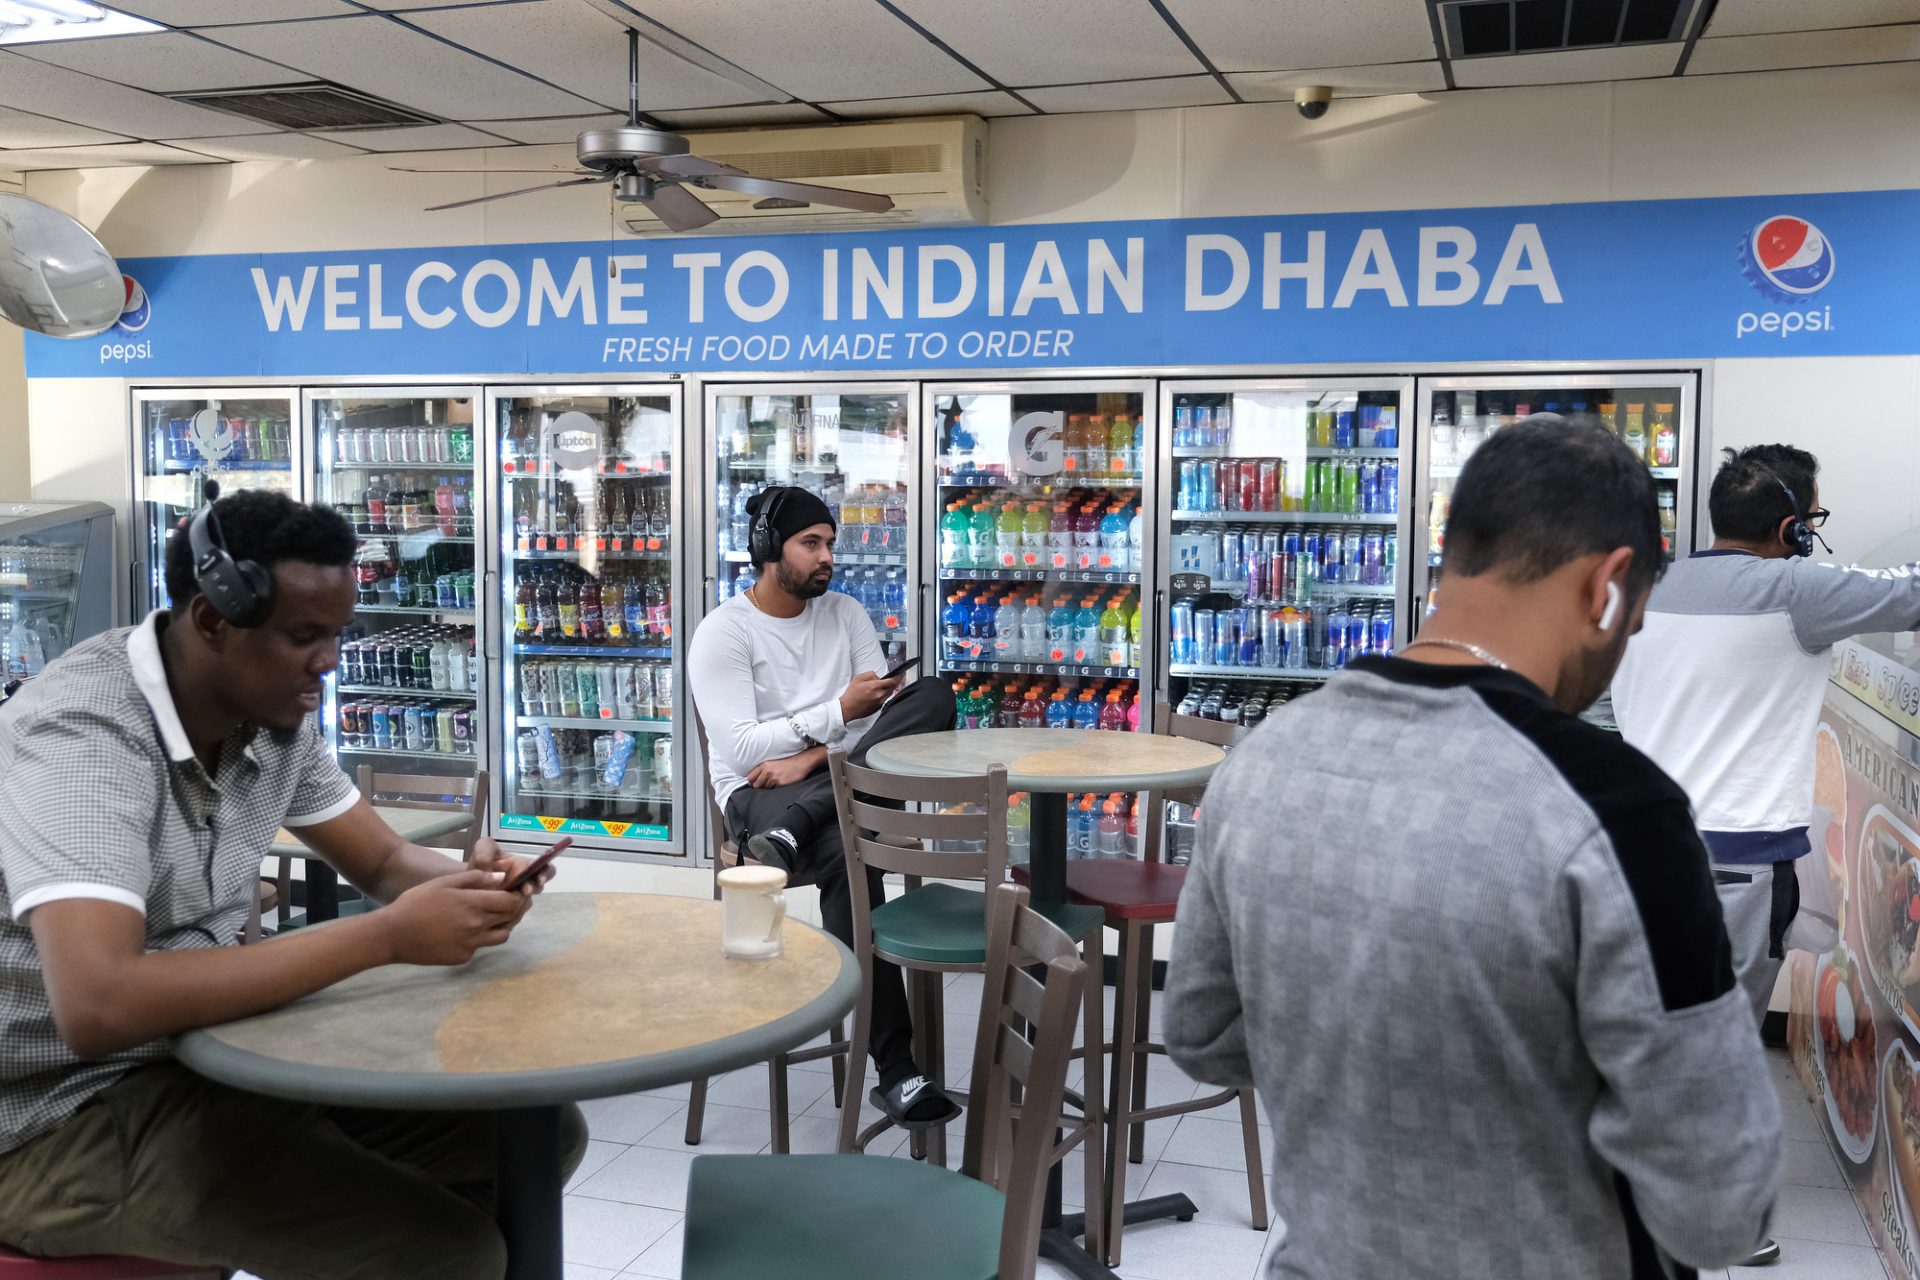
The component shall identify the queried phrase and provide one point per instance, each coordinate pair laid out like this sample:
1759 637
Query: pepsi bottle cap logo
1787 258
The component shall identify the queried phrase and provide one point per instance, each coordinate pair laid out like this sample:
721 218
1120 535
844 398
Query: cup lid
753 877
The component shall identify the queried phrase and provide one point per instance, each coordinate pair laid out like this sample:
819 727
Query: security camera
1312 100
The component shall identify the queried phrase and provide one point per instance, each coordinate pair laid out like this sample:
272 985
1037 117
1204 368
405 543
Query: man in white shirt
780 674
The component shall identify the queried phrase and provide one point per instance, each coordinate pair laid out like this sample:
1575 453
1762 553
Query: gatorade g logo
1036 443
1787 260
573 441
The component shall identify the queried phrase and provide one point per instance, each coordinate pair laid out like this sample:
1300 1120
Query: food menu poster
1854 1024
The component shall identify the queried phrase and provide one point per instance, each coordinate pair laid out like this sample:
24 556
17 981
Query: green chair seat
838 1218
945 924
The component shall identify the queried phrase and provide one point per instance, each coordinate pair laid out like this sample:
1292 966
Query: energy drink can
1203 628
463 732
415 729
380 721
443 730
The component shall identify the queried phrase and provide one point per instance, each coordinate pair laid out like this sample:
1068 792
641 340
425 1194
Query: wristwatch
799 732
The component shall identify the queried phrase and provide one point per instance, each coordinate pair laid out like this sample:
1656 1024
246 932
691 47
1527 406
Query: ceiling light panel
391 61
25 22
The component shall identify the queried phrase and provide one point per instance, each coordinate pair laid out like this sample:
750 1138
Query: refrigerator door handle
136 574
488 642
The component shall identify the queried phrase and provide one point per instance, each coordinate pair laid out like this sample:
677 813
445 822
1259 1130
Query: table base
528 1188
1060 1243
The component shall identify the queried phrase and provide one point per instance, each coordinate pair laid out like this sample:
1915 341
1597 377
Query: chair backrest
1024 1039
1153 806
879 831
716 821
412 791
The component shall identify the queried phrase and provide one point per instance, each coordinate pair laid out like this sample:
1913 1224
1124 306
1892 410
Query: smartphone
539 864
910 662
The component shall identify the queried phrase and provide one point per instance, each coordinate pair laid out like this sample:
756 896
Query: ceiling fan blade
555 173
502 195
838 197
679 208
688 166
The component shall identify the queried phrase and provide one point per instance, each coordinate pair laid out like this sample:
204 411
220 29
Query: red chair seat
1124 889
18 1266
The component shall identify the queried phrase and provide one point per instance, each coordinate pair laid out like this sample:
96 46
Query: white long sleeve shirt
761 682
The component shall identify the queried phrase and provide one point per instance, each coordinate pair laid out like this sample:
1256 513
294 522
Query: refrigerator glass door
1284 537
56 585
241 437
853 445
589 672
404 708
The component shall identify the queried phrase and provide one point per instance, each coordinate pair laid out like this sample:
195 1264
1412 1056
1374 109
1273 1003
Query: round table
1048 764
595 994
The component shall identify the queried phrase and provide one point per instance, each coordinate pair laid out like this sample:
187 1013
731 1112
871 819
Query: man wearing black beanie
780 674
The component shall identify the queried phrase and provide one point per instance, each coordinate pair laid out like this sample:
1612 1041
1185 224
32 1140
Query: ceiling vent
307 106
1499 28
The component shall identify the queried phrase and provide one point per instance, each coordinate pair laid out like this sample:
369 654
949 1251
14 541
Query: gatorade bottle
1060 631
956 536
979 708
1113 540
1133 830
1033 712
1121 462
1033 631
953 626
1095 447
1134 532
1012 522
960 703
1133 635
1086 538
1008 715
985 540
1133 718
1060 537
1086 633
1085 714
1059 711
1019 826
980 628
1033 537
1006 630
1113 635
1083 827
1113 830
1113 716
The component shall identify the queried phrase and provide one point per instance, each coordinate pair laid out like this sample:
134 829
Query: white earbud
1611 614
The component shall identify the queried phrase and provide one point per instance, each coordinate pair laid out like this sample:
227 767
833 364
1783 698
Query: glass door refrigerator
56 582
1042 502
585 657
405 701
1654 413
1282 546
242 437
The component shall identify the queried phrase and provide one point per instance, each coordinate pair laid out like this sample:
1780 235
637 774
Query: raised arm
1831 603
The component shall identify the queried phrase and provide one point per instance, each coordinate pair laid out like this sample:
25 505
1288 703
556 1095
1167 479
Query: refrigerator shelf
390 691
179 466
1113 577
560 793
456 757
1250 673
1084 671
1311 451
603 553
1062 480
410 611
896 559
644 653
1283 517
1320 588
582 722
1453 473
603 471
431 537
399 466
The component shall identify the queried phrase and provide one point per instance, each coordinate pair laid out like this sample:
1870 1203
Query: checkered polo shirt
101 796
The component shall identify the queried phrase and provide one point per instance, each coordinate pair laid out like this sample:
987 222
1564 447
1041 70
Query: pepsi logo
137 309
1787 258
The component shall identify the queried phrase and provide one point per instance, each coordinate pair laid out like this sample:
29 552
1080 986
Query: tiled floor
625 1205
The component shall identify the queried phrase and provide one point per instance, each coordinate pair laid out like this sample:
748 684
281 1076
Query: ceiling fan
654 168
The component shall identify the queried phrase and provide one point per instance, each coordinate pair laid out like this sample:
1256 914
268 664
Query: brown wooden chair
856 1216
726 855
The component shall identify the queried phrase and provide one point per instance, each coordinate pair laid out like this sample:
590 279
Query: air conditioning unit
934 169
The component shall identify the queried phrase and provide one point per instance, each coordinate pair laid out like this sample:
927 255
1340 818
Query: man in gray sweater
1467 947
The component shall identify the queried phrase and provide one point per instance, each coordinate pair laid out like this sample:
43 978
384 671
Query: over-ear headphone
762 543
1799 534
1611 614
241 591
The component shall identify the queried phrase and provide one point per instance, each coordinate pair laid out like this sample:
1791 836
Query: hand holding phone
533 869
904 666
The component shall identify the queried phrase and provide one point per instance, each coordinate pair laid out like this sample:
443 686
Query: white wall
15 474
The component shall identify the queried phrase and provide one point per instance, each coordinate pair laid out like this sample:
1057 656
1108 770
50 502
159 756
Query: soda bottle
659 606
955 535
1113 634
443 512
1086 633
523 609
986 536
1012 528
1059 711
1060 537
1060 631
593 629
568 598
1033 536
1006 630
1033 631
613 610
377 504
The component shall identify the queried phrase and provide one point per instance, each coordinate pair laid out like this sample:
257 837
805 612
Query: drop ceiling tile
819 50
1129 95
24 129
395 5
165 63
1757 17
1257 35
394 62
582 49
1805 49
1020 42
1573 66
556 129
769 113
426 137
83 99
208 13
991 103
1347 82
108 156
273 146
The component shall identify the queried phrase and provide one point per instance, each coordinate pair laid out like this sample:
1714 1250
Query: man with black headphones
142 778
1724 684
779 674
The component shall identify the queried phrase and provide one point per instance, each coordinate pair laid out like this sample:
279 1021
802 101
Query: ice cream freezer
56 581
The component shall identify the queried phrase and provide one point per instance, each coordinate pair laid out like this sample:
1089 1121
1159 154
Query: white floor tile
663 1258
1818 1213
629 1117
574 1271
1216 1144
1221 1195
1798 1120
820 1136
647 1176
597 1157
748 1088
725 1131
1812 1164
603 1233
1188 1250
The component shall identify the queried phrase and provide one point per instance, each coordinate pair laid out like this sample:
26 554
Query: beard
800 586
1586 675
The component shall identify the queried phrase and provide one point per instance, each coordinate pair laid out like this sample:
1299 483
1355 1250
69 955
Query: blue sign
1644 280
